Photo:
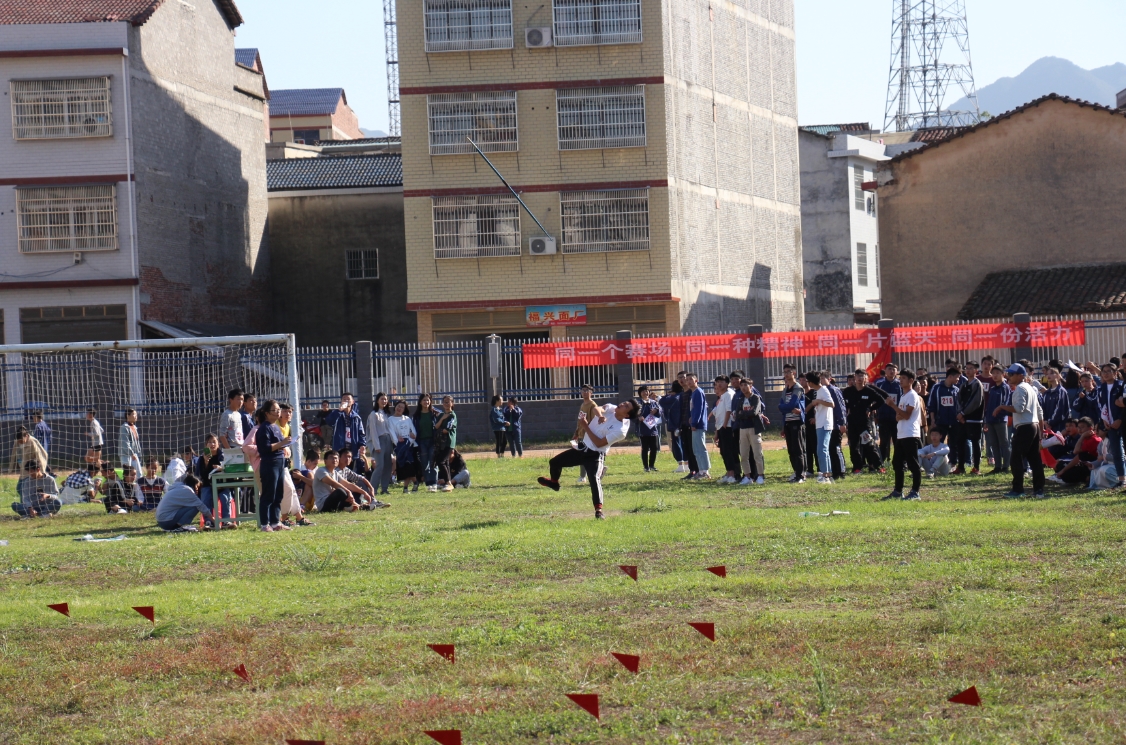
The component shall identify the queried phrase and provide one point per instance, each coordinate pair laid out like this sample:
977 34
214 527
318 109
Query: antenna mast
391 44
920 74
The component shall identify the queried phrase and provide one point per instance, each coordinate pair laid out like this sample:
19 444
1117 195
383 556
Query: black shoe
893 495
544 481
598 514
912 496
1013 495
1039 495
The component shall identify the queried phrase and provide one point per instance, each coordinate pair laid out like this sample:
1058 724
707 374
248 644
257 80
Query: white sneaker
681 468
1056 478
121 511
580 482
760 481
746 481
823 479
432 488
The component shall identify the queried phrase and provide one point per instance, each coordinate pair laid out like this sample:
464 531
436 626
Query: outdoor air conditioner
541 245
537 38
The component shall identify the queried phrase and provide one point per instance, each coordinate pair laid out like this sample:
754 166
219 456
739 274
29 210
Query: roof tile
16 12
305 101
1082 288
337 172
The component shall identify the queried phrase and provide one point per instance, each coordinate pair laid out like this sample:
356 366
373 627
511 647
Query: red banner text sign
804 344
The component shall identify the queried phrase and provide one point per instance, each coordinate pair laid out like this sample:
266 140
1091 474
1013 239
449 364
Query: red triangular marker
241 672
445 736
447 651
146 611
631 571
969 697
707 629
719 571
588 701
630 662
60 608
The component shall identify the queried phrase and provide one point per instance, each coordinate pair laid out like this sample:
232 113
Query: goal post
178 387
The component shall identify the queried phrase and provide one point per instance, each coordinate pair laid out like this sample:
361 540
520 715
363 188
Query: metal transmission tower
391 43
921 74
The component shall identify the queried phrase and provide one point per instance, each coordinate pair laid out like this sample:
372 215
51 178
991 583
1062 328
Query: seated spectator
206 466
179 466
118 499
38 493
1103 473
935 457
367 496
1075 467
303 480
459 473
179 506
361 464
1060 445
80 486
132 489
331 492
151 485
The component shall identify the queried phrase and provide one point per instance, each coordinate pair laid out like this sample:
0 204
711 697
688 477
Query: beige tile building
655 140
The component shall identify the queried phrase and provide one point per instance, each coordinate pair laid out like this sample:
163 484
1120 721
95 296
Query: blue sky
843 48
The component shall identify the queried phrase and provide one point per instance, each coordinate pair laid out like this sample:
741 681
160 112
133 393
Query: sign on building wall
555 315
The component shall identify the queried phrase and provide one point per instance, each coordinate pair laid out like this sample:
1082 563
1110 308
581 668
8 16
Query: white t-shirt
824 414
611 430
97 434
912 426
321 490
722 406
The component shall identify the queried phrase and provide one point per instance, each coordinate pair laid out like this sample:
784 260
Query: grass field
851 629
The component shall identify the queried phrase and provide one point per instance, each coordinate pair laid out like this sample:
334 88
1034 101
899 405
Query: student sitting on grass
38 493
332 493
366 497
118 497
180 505
303 480
1074 467
151 485
79 486
935 457
459 473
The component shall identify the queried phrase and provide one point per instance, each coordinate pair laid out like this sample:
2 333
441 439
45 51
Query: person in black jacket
971 399
862 404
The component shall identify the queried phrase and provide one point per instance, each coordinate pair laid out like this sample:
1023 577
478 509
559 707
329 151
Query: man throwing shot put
610 426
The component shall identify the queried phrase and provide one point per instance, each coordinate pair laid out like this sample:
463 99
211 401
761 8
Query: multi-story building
654 140
132 170
309 115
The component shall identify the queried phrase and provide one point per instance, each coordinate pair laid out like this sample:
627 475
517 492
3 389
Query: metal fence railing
541 384
454 368
325 373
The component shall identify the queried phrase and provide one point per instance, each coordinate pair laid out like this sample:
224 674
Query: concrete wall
201 172
312 297
826 233
1045 187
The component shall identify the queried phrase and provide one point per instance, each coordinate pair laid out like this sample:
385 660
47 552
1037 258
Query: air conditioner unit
541 245
537 38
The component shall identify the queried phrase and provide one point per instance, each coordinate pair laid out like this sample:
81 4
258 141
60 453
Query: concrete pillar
365 378
492 351
756 363
625 369
1022 349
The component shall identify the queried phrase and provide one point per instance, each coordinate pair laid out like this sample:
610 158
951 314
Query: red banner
804 344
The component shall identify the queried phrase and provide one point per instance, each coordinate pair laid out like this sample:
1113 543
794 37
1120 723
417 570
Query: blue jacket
43 434
999 395
670 406
513 417
792 399
1056 406
944 404
496 419
1116 390
891 387
839 417
347 430
1089 407
699 416
648 408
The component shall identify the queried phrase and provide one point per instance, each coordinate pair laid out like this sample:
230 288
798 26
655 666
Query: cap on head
1016 369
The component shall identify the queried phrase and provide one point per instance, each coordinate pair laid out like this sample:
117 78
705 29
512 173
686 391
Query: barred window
468 227
67 218
52 109
605 220
592 118
460 25
586 22
858 186
489 118
862 264
363 264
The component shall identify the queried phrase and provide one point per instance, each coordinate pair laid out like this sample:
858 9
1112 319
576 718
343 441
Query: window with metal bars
67 218
592 118
597 221
862 264
586 22
877 256
460 25
858 186
55 109
362 264
489 118
469 227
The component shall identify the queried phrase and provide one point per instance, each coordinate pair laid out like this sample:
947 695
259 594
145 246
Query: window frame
508 242
565 39
363 255
859 201
464 45
94 197
473 108
862 264
578 223
70 129
599 109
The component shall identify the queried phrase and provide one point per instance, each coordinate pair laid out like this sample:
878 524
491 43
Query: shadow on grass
479 525
110 532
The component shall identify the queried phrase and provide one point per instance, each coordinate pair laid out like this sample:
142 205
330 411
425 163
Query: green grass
847 629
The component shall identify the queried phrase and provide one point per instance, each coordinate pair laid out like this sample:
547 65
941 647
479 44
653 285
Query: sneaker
912 496
704 476
975 472
120 511
800 480
893 495
760 481
795 479
959 471
281 526
266 529
365 506
542 480
379 505
598 514
994 472
857 471
689 477
432 488
581 482
881 470
304 523
1013 495
680 468
413 490
1039 495
654 470
746 481
1055 478
450 487
823 479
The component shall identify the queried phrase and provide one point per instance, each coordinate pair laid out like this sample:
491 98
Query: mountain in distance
373 132
1050 75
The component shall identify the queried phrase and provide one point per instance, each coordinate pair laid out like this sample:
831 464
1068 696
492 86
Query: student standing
886 417
401 428
725 437
424 415
996 424
383 448
499 425
43 434
840 426
971 401
271 467
514 415
909 428
1113 413
129 441
792 406
861 404
445 440
1027 418
1054 401
748 414
97 437
822 406
347 429
670 408
943 405
698 424
648 428
230 429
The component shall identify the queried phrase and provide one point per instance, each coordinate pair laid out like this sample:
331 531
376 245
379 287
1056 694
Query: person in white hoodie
400 427
380 444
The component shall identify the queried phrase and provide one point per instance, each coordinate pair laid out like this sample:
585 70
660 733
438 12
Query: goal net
177 387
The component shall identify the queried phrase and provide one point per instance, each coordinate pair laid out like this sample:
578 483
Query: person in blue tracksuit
1113 413
1055 401
885 415
1086 402
347 427
997 432
670 407
944 406
498 425
513 414
792 407
650 435
698 422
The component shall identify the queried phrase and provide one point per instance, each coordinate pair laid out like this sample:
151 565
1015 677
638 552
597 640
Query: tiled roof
829 129
343 172
934 134
963 131
1045 291
246 57
305 101
90 11
358 142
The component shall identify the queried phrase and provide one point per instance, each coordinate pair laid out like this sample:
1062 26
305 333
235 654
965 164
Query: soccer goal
177 387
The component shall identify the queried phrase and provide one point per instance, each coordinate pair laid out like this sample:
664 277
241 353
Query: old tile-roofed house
1082 288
